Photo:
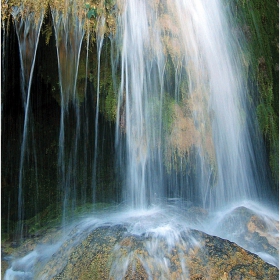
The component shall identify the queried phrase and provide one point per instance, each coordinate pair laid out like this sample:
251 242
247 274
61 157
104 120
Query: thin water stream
69 34
28 31
100 38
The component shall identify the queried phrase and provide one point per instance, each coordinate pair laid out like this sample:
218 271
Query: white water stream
28 30
69 34
209 79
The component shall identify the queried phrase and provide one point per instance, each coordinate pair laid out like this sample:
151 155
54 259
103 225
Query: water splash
153 238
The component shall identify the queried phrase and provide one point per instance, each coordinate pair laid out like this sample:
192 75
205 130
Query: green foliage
110 106
267 121
168 116
92 13
258 22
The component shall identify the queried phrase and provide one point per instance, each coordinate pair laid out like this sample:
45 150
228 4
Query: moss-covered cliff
258 24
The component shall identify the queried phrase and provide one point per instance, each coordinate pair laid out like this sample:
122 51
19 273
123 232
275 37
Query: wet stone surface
112 252
253 231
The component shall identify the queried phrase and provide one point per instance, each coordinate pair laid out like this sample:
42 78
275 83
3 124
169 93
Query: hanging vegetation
258 22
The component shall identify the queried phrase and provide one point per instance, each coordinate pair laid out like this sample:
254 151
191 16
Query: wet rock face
112 252
253 231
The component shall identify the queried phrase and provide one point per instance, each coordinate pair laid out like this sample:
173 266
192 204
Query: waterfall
140 101
225 90
208 134
28 26
69 33
183 130
156 92
100 38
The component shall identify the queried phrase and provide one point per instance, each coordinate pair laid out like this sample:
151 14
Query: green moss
258 24
168 116
50 217
110 106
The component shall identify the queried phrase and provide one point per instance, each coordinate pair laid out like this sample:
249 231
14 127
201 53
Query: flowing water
69 34
208 84
28 30
141 96
183 133
100 38
161 230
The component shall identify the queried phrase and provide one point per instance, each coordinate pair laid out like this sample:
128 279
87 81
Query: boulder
252 230
112 252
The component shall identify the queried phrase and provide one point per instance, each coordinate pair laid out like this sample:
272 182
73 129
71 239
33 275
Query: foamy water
163 224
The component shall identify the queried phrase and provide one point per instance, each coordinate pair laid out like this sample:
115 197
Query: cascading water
141 96
183 138
28 29
69 34
208 84
100 38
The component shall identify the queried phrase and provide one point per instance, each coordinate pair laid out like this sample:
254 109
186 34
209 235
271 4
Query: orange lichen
183 134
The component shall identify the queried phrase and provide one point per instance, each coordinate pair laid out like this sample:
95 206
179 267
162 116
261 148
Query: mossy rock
112 252
254 232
